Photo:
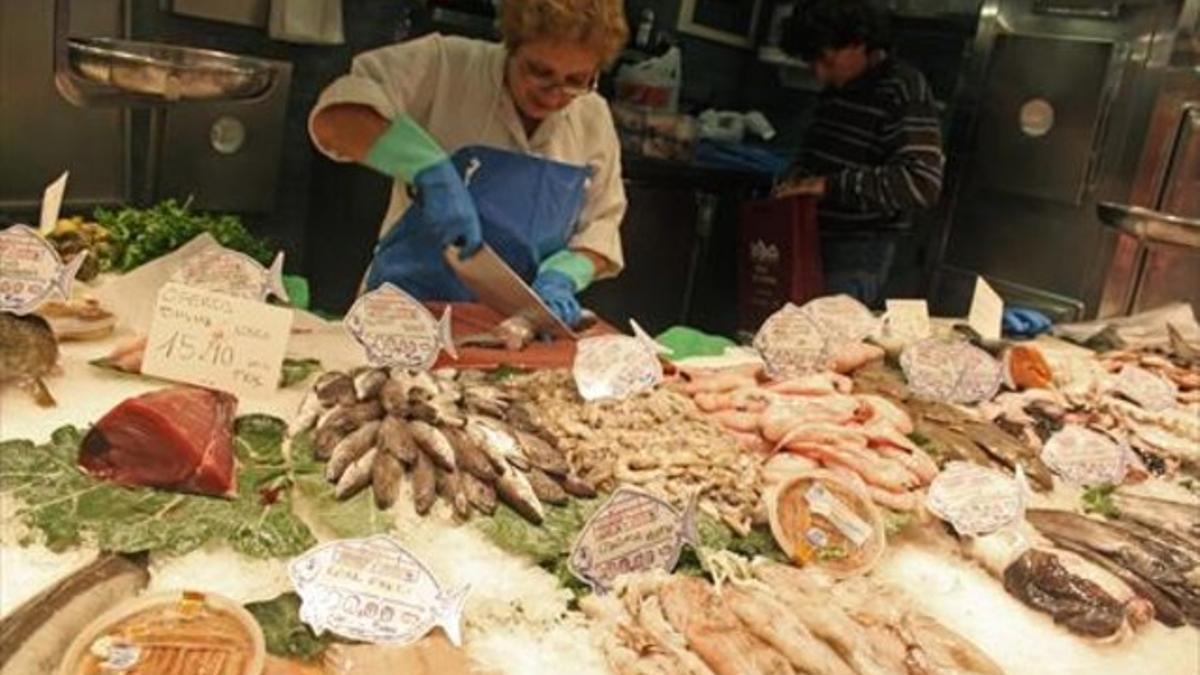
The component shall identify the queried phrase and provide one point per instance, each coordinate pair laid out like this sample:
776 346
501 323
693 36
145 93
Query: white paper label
31 271
615 366
217 341
974 499
822 503
987 311
908 320
632 532
1085 457
374 590
52 199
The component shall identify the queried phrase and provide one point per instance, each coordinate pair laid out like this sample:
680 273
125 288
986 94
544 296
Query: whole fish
395 329
577 487
434 443
541 454
1182 520
335 388
469 457
350 449
496 442
1010 452
514 488
546 489
386 478
1171 571
306 415
356 477
395 437
325 440
481 495
347 418
424 483
28 352
1039 580
368 382
449 486
438 411
394 397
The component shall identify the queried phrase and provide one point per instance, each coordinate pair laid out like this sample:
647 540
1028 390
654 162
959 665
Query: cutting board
470 318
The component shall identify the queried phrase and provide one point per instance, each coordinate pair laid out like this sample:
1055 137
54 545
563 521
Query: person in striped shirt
873 152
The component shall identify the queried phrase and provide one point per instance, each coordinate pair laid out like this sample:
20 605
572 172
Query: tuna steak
179 438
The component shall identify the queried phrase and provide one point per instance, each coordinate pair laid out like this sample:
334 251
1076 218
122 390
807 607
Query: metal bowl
168 72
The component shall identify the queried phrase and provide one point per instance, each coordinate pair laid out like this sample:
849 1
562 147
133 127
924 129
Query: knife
499 287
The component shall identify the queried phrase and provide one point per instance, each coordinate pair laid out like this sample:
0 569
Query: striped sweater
878 142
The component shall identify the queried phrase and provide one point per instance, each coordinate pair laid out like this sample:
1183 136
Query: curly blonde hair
599 24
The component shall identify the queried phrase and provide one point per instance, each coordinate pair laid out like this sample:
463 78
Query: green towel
686 343
297 290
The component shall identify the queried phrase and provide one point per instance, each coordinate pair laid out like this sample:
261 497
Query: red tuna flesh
179 438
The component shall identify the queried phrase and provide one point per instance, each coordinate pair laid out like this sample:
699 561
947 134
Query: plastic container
820 519
135 636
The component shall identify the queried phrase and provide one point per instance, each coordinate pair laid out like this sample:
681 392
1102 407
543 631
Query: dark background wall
327 215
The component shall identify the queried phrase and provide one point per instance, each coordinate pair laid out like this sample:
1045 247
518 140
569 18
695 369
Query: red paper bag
779 257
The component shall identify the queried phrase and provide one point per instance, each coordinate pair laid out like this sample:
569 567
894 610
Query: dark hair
817 25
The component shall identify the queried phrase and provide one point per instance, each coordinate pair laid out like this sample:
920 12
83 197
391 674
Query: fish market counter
518 617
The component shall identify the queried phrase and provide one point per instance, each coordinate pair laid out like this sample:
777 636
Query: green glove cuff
577 266
404 150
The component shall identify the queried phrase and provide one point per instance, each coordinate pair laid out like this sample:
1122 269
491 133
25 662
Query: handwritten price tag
216 340
987 311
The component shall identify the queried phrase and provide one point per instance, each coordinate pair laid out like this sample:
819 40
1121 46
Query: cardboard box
779 258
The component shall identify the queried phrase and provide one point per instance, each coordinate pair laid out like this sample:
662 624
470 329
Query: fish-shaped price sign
976 500
1085 457
31 272
221 270
632 532
396 330
797 341
374 590
951 371
617 366
1150 391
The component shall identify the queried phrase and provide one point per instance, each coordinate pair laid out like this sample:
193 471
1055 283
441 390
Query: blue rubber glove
447 209
1025 322
558 291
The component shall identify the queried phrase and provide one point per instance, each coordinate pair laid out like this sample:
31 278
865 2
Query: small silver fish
577 487
541 454
347 418
368 382
495 441
450 487
394 397
546 489
350 449
423 387
438 412
479 494
306 415
514 488
424 483
396 330
334 388
396 438
386 478
468 457
434 443
356 477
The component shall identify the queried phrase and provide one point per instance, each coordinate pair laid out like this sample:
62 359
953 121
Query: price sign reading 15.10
216 340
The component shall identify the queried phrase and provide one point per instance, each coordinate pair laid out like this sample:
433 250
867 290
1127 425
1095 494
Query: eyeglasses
543 78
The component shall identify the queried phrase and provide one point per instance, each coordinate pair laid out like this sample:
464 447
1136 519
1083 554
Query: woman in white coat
507 144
